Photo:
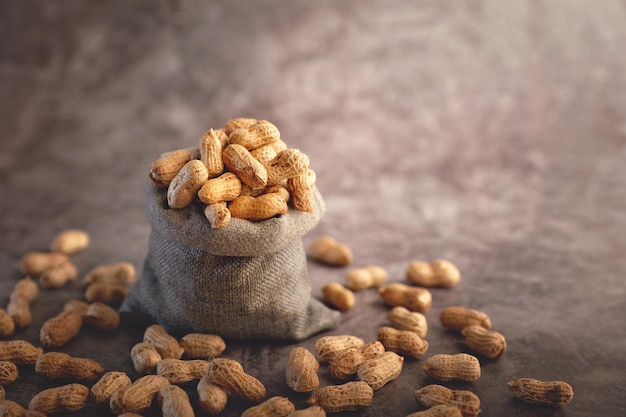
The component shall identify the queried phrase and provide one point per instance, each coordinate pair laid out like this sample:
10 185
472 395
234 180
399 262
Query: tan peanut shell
440 410
178 371
404 342
339 296
145 358
211 145
552 393
19 310
413 298
163 170
112 294
70 241
273 407
301 189
19 352
35 263
229 374
286 164
118 273
312 411
438 273
138 396
7 325
258 208
64 399
95 314
280 190
346 363
62 328
165 344
226 187
264 154
328 251
212 398
457 318
327 347
55 365
26 289
217 214
346 397
12 409
366 277
238 123
258 134
380 370
403 319
109 383
8 373
488 343
202 345
186 184
239 161
432 395
301 374
444 367
58 276
174 402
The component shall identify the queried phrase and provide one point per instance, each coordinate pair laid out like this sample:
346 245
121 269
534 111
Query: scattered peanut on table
64 399
438 273
274 407
458 317
301 373
230 375
413 298
552 393
346 397
488 343
366 277
432 395
461 366
57 365
327 250
338 296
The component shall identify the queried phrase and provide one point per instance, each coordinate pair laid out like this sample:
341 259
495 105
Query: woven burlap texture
245 281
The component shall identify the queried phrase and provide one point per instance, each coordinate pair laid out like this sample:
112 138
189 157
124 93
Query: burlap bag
246 281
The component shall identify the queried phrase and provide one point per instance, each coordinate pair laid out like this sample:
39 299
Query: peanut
328 251
26 289
279 189
273 407
174 402
118 273
239 161
70 241
404 342
238 123
264 153
138 396
62 328
432 395
403 319
312 411
95 314
380 370
488 343
163 170
145 358
112 294
338 296
55 365
347 362
301 374
226 187
258 134
286 164
440 410
19 352
8 373
35 263
346 397
217 214
12 409
439 273
186 184
212 398
64 399
301 189
258 208
366 277
177 371
110 382
58 276
7 325
211 145
327 347
229 374
413 298
461 366
166 345
552 393
202 345
129 415
19 310
457 318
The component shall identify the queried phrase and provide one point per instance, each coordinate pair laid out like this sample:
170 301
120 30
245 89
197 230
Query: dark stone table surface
489 133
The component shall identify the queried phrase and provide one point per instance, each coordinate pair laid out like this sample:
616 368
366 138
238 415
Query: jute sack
245 281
